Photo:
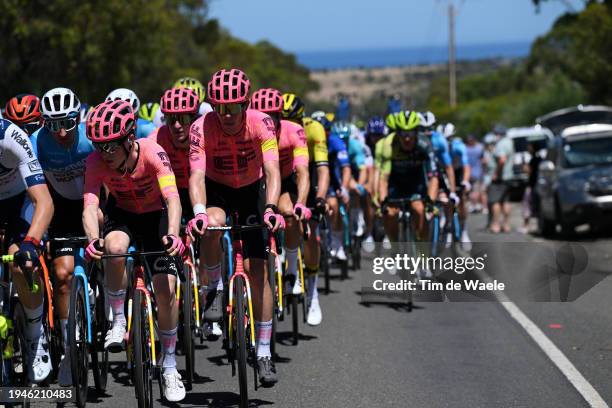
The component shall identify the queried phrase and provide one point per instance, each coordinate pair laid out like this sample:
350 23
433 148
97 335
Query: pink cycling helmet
178 101
110 121
267 100
228 86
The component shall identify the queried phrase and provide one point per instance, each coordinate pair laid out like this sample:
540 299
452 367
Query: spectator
499 190
489 168
475 152
530 198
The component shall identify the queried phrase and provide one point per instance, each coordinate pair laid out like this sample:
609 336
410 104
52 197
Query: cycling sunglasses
184 119
108 147
231 108
58 124
408 134
31 127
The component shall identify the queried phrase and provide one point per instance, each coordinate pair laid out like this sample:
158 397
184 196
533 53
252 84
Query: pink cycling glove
174 244
91 252
192 225
278 219
305 210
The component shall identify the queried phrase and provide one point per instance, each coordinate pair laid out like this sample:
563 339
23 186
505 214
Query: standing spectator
529 198
499 190
475 152
489 165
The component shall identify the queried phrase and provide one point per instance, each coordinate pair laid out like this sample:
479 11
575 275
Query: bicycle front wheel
140 339
99 355
240 339
77 339
186 311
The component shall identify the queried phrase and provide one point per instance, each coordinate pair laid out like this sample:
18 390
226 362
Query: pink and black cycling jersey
292 148
179 158
138 192
233 160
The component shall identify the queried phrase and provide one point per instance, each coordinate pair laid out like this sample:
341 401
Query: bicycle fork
240 271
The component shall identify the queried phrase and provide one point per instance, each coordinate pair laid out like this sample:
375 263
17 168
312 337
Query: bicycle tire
273 289
20 344
294 320
143 383
324 265
187 312
99 355
240 338
77 322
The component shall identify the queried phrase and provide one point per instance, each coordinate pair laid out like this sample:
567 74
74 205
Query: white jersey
359 136
19 166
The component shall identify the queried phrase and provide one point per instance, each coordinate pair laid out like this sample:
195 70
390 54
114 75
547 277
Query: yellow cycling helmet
193 84
147 110
330 116
390 122
407 120
293 107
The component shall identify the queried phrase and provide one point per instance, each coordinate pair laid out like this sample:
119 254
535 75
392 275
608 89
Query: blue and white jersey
64 167
458 152
144 128
19 166
441 149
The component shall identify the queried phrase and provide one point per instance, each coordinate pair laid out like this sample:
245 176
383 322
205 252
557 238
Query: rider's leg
210 265
164 285
292 239
63 267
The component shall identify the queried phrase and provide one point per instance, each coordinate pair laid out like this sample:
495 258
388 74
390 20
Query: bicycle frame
193 277
279 273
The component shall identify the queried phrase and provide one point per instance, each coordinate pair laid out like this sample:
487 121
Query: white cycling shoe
65 372
115 338
39 360
172 387
340 254
296 287
212 331
314 313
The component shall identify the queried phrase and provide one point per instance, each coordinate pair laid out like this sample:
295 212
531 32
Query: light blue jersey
458 152
440 148
144 128
64 167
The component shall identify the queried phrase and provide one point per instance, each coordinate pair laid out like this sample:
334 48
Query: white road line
574 376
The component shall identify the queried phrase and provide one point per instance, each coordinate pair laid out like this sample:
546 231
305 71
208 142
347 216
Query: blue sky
316 25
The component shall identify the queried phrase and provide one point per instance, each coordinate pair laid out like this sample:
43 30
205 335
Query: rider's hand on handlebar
273 221
93 251
301 212
27 254
454 197
198 224
467 186
344 195
174 245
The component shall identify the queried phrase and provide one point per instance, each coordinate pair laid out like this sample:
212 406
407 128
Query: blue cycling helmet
376 126
342 129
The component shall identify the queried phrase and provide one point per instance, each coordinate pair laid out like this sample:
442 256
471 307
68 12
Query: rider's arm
43 210
91 197
465 163
160 162
300 165
384 167
321 160
197 165
269 150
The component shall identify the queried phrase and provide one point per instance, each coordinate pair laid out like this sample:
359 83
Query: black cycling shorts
145 231
289 185
187 209
67 222
249 202
13 219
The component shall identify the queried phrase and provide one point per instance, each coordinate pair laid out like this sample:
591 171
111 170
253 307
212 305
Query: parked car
578 115
521 137
575 181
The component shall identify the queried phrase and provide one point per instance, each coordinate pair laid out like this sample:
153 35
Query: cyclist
362 164
21 177
62 149
375 130
462 170
316 139
143 202
24 111
180 109
406 164
143 127
198 88
295 182
234 167
340 180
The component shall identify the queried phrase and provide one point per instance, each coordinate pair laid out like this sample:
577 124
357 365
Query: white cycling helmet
449 130
158 118
60 103
125 95
317 115
427 119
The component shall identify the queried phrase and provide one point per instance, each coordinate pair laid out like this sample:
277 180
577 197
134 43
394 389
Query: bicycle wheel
356 252
240 339
20 348
324 261
274 291
140 338
294 320
186 322
99 355
77 339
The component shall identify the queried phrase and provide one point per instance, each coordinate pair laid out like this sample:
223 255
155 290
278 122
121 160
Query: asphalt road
442 354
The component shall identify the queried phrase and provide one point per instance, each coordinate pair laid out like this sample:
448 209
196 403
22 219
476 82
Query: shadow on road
285 338
119 372
216 400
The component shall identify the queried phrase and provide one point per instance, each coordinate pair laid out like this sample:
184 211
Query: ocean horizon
385 57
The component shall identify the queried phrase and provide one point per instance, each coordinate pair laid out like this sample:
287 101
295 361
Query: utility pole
452 66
